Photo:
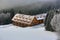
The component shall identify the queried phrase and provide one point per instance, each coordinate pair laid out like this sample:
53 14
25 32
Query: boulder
48 19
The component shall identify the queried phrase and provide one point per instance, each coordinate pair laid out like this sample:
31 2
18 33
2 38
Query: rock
48 19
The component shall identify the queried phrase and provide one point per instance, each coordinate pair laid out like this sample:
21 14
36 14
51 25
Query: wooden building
40 17
24 20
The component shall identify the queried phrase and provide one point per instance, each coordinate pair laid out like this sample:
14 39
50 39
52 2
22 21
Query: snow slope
11 32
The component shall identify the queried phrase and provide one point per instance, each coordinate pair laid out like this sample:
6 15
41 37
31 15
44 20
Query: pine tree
6 16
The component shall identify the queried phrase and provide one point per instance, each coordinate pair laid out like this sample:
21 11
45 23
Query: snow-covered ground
11 32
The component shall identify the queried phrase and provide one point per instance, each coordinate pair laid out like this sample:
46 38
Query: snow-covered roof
27 19
41 16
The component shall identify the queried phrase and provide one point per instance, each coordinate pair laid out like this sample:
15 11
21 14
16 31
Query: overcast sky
10 3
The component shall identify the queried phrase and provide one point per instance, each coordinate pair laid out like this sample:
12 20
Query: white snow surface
11 32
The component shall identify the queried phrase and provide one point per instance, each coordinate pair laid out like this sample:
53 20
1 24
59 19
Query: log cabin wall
35 21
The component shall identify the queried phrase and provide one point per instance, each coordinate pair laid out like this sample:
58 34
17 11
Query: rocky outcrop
48 19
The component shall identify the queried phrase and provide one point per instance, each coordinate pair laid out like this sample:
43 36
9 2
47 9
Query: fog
13 3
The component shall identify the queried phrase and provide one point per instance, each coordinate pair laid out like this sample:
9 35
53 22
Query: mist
13 3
